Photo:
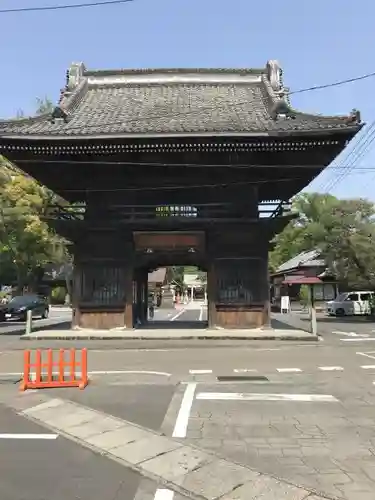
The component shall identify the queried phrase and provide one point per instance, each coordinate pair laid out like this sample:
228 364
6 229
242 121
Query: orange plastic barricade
51 372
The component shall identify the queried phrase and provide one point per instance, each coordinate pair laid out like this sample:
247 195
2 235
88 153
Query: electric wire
64 6
354 156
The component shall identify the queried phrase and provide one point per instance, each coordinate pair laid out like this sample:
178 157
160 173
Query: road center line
288 370
331 368
199 372
163 494
236 396
367 354
368 367
245 370
95 372
178 315
182 421
349 334
358 339
29 436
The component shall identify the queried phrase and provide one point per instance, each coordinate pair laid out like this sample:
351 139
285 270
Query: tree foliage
44 105
343 230
27 243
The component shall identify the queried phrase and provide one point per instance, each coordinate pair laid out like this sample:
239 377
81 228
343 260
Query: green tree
27 242
44 105
175 275
343 230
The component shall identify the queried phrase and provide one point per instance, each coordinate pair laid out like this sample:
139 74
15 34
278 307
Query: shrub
58 295
304 295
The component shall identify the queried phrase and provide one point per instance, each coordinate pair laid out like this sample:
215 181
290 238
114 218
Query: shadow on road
174 325
281 325
18 328
346 319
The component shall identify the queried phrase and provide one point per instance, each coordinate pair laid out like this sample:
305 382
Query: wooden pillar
140 296
103 282
129 292
238 285
145 295
241 292
211 296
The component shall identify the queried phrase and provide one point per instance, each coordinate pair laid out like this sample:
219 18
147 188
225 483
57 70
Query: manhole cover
242 378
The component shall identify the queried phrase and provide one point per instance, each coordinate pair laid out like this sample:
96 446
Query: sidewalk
171 462
173 334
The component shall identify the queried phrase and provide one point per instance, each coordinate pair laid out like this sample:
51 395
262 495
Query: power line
334 84
181 186
358 151
65 6
241 166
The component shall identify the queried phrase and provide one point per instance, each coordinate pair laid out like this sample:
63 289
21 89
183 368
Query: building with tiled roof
186 167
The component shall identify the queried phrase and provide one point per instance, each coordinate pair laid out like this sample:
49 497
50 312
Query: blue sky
316 42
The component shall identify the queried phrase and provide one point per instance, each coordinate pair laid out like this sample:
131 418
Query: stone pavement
173 464
327 445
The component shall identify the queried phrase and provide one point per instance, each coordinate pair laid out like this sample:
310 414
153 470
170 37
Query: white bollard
314 328
29 320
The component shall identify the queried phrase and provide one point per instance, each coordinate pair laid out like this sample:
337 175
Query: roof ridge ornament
355 116
74 75
59 115
274 75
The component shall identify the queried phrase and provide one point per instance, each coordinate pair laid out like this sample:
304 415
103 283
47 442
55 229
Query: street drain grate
242 378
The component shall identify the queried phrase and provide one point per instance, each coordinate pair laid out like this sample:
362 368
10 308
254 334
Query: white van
350 304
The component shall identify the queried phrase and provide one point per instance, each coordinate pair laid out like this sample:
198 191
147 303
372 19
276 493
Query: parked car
17 307
351 303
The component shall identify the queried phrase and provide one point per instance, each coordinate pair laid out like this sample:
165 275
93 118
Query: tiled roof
169 102
304 259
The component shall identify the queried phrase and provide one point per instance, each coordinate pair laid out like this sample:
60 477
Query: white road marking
358 339
97 372
201 314
367 354
331 368
245 370
237 396
182 421
368 367
128 372
288 370
178 315
163 494
129 351
199 372
349 334
29 436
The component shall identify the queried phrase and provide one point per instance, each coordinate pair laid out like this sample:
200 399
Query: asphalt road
303 412
299 411
55 469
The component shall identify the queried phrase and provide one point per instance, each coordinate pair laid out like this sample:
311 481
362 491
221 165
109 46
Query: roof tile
171 102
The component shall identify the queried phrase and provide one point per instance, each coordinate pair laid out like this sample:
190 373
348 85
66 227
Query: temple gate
173 167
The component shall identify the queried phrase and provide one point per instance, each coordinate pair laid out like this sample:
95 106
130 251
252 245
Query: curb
304 338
